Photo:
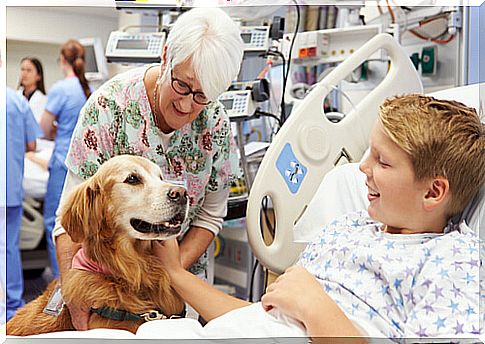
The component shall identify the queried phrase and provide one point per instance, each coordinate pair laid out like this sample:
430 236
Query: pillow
474 213
341 191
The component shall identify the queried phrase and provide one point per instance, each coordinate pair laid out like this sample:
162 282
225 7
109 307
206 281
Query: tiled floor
37 273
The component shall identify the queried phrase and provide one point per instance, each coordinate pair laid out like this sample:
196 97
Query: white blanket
247 322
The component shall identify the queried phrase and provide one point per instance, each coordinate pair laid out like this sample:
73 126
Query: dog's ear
80 213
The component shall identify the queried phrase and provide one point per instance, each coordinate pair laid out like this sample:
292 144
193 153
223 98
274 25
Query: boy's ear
437 193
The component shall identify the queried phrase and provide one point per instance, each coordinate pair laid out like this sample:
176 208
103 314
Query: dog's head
127 194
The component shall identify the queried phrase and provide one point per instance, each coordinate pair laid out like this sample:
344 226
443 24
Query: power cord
264 206
287 72
251 283
260 113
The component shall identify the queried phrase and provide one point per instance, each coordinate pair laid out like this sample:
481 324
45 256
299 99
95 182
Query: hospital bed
309 145
294 170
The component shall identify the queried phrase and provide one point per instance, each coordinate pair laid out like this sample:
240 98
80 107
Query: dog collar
122 315
81 261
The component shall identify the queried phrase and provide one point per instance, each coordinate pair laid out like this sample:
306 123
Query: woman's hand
169 254
294 293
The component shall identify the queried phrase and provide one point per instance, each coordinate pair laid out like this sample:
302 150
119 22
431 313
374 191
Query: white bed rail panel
309 145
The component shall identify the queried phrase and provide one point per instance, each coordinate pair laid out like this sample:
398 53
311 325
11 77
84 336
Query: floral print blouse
117 119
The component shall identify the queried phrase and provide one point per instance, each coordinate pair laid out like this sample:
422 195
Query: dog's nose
178 194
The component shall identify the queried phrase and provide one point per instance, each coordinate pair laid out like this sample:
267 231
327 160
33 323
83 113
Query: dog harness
122 315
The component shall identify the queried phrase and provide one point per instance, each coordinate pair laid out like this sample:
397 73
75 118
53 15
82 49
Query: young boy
402 269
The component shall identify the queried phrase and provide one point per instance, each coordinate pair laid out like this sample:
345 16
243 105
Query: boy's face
396 198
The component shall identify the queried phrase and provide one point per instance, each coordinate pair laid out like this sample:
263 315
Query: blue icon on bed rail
291 169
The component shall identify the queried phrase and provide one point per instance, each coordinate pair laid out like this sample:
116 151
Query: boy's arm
209 302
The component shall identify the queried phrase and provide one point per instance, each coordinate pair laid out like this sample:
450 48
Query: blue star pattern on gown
420 285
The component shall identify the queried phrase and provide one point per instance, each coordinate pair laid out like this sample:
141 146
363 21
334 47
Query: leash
122 315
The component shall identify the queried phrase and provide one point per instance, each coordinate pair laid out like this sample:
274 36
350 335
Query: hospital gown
397 285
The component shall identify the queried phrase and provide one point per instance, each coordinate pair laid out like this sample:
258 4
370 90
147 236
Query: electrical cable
427 38
264 206
265 69
431 39
432 19
379 8
267 114
266 277
273 52
285 74
251 281
434 39
391 12
273 105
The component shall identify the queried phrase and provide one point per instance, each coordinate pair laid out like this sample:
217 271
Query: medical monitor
96 67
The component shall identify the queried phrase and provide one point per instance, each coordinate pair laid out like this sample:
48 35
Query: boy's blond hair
443 138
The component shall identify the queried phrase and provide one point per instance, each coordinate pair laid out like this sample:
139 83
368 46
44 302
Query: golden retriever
115 215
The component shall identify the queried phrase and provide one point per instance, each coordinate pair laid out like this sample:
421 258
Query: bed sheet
247 322
35 176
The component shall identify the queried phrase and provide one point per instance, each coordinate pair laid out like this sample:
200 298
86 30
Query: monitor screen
132 44
95 66
246 37
91 66
227 103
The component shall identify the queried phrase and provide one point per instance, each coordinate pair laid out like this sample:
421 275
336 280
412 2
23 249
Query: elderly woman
168 113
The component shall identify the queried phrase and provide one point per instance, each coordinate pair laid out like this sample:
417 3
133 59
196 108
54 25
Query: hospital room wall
40 31
451 57
476 66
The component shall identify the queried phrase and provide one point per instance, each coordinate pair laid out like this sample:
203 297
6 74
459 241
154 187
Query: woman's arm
31 146
298 294
205 227
65 250
47 124
209 302
194 244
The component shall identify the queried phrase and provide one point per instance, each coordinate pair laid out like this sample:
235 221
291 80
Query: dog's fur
99 213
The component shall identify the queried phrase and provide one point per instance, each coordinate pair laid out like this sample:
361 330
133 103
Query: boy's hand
294 293
298 294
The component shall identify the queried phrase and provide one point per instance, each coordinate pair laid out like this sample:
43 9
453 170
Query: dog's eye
132 179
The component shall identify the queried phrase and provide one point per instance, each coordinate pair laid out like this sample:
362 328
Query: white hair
212 40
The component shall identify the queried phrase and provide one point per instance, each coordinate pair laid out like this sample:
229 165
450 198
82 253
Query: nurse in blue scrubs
64 102
22 132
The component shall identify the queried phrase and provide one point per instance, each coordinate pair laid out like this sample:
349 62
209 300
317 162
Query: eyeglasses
183 89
